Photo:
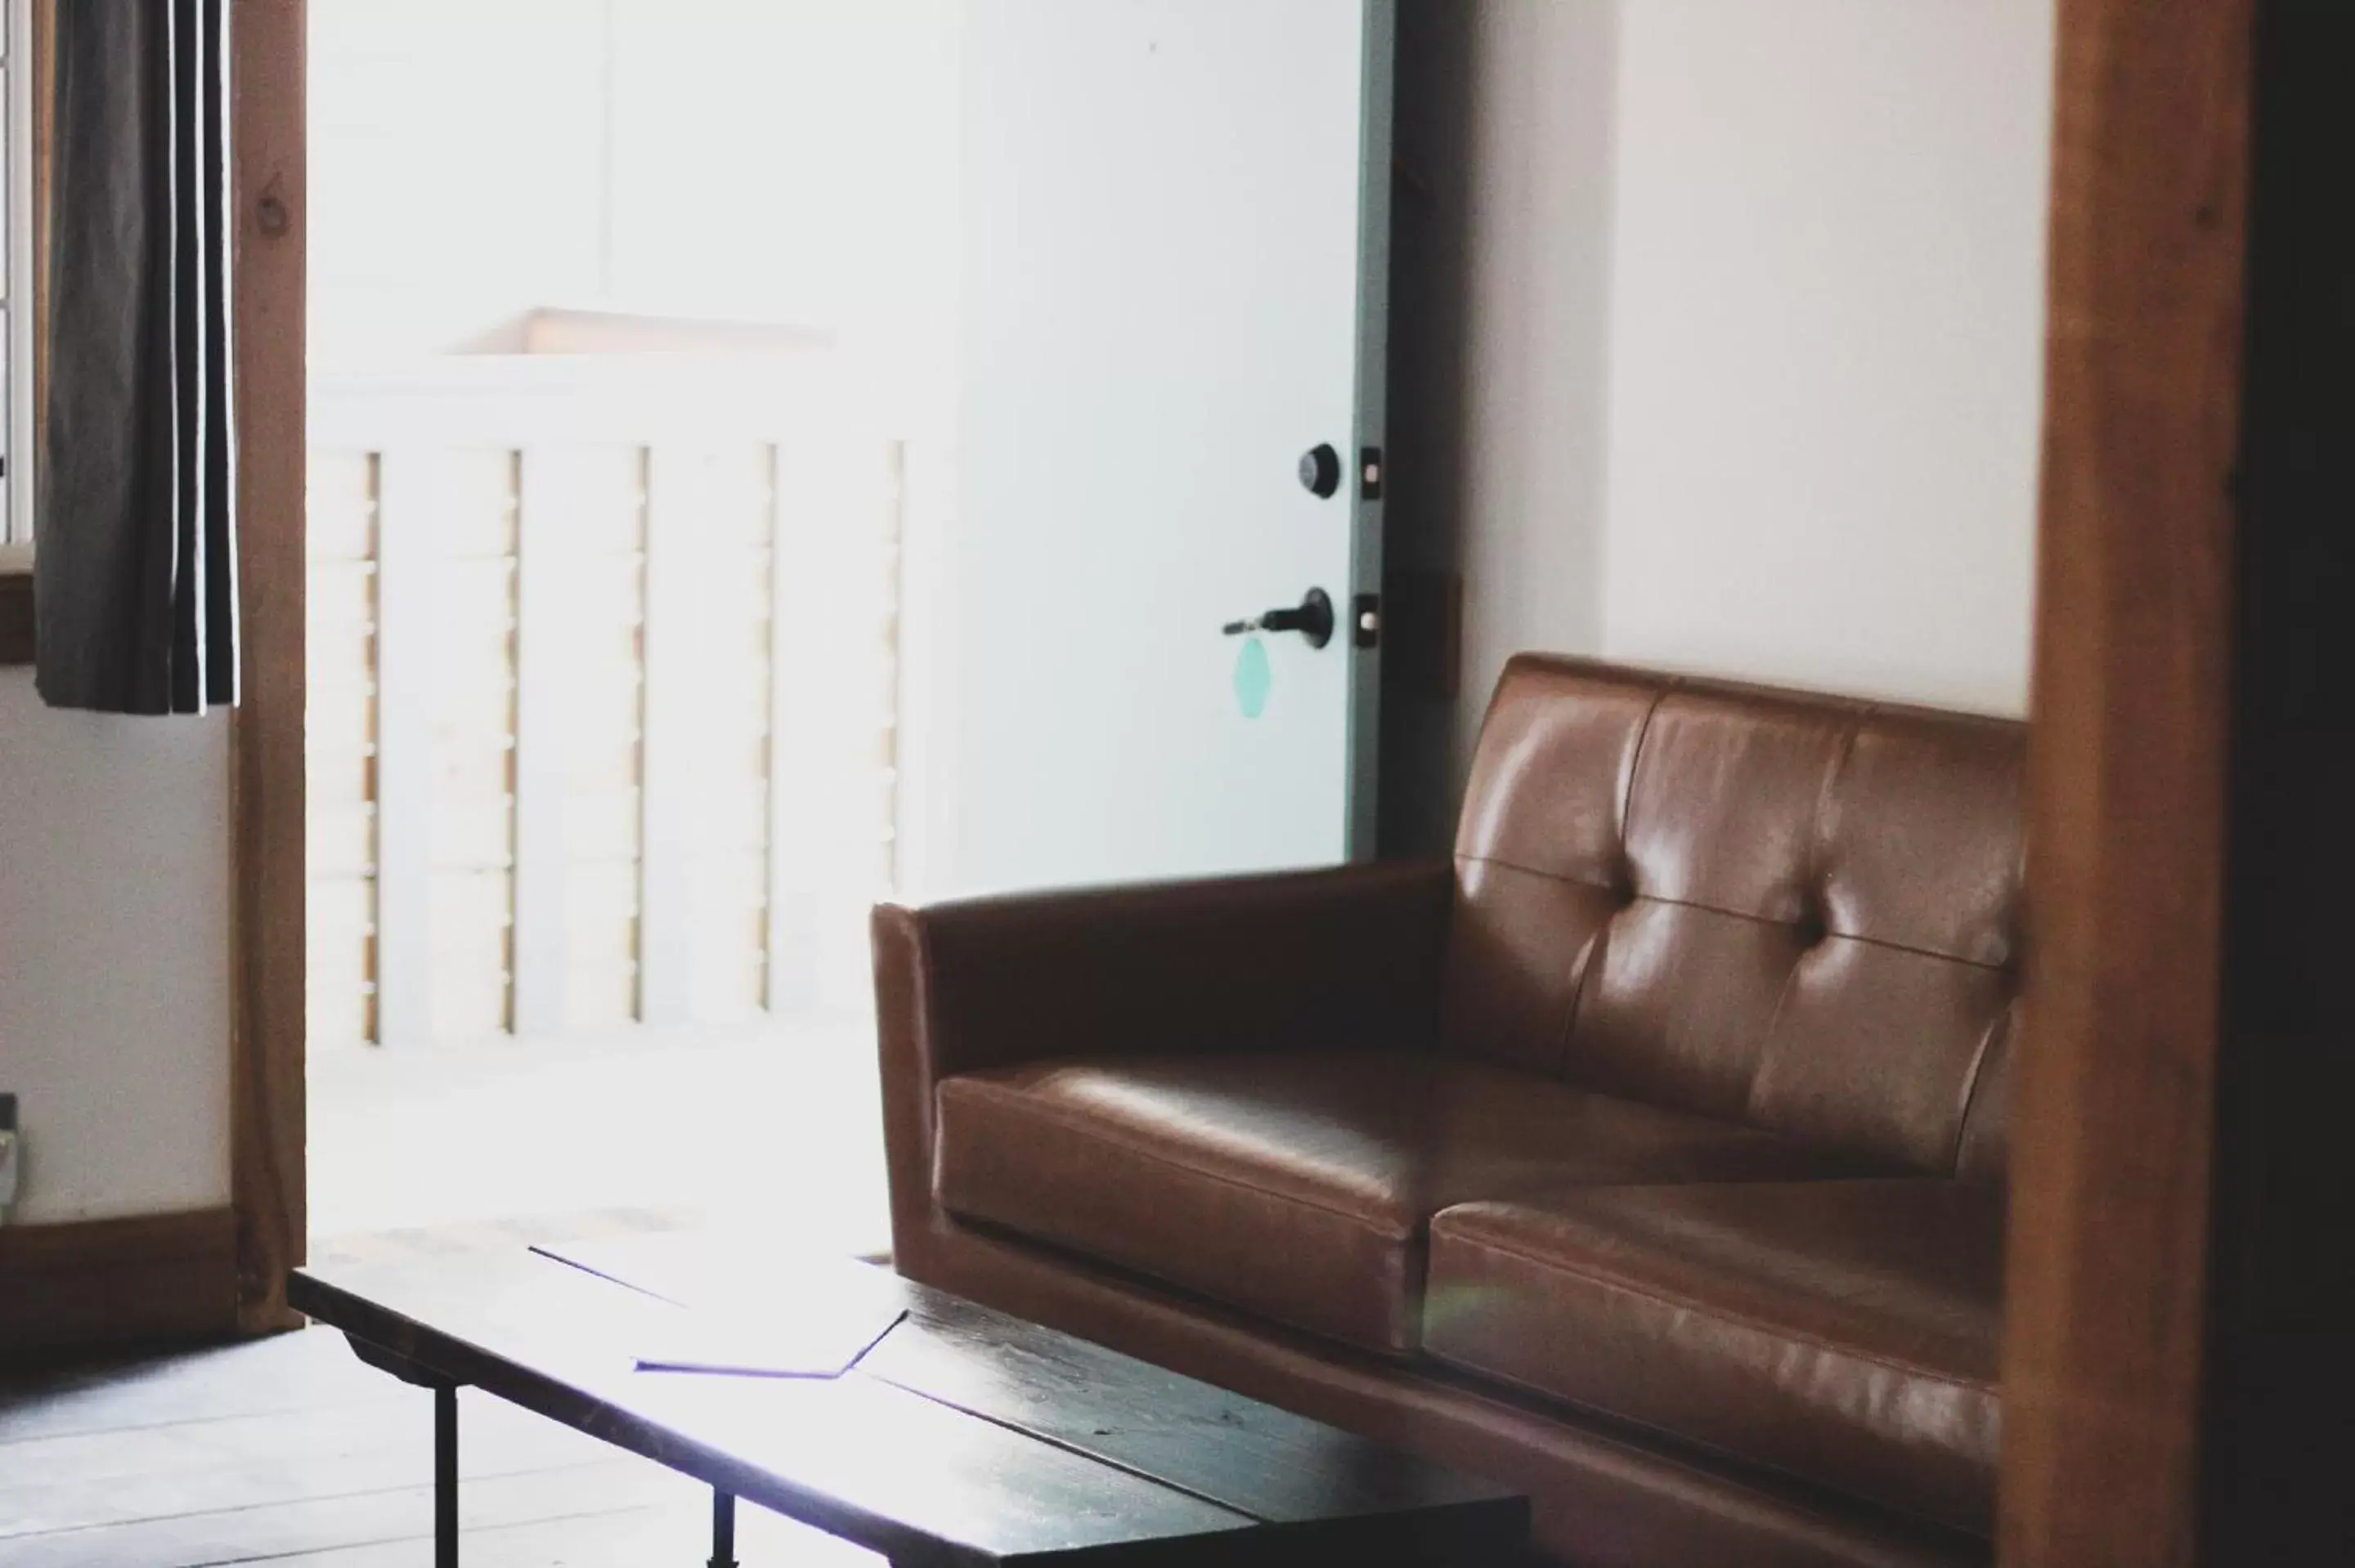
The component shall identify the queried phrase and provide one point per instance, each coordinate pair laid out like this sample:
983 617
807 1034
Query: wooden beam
266 1089
2106 1304
157 1277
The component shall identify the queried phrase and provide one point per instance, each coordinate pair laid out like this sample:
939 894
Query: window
17 282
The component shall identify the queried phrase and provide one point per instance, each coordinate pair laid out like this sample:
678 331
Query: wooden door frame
267 1109
2110 1297
2179 1275
208 1271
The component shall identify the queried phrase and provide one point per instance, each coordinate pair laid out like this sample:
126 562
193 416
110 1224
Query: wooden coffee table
964 1436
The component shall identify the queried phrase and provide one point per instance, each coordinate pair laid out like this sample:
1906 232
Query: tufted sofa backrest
1795 911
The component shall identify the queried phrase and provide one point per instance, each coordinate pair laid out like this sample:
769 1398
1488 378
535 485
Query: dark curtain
134 560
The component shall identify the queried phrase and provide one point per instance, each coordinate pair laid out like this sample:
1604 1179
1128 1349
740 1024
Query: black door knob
1320 469
1312 617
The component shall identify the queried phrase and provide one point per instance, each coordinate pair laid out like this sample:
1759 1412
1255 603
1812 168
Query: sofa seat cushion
1298 1186
1842 1331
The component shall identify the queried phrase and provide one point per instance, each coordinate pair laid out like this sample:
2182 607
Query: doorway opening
628 335
765 458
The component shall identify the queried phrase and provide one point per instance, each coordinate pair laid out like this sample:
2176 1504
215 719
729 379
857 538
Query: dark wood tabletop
965 1436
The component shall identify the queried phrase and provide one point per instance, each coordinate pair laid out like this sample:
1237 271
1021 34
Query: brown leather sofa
1647 1157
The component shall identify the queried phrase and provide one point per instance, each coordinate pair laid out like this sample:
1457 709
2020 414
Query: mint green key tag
1252 678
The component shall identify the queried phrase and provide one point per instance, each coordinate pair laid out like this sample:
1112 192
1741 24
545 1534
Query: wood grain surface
266 1088
978 1439
2109 1252
96 1281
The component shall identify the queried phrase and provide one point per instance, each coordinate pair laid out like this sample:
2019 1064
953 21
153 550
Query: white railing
602 691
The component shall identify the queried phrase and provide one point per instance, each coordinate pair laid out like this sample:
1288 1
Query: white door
1174 228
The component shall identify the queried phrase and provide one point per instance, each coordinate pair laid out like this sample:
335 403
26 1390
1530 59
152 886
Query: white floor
761 1129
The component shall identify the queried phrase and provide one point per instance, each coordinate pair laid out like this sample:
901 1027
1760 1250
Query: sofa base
1598 1499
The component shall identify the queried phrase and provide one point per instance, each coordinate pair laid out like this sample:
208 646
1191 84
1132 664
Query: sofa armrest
1344 957
1347 956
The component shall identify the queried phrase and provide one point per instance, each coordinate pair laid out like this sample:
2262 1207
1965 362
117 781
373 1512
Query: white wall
1755 302
1826 349
114 956
1539 175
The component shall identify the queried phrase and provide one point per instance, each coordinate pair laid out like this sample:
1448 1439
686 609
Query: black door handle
1312 617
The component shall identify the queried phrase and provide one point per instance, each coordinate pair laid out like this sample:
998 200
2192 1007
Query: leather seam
1598 947
1883 942
1818 849
1971 1086
1596 952
1160 1158
1636 764
1740 1319
1816 874
1767 1041
1533 870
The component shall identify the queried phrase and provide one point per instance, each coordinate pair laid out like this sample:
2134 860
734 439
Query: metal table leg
445 1477
445 1439
723 1529
445 1460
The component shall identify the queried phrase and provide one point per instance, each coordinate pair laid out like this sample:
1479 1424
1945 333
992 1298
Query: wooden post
266 1060
2108 1274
